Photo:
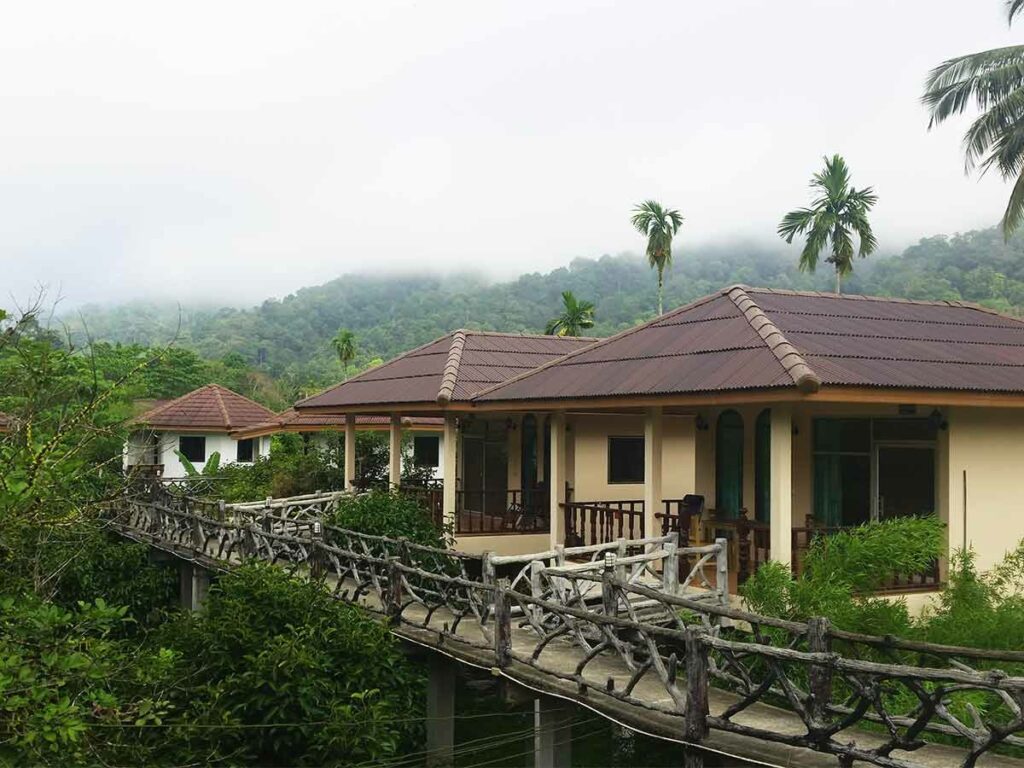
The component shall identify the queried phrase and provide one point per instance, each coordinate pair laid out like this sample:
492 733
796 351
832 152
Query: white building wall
135 450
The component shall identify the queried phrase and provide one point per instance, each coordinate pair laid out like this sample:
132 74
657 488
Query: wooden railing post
670 569
316 553
609 601
722 571
502 625
819 675
696 714
393 601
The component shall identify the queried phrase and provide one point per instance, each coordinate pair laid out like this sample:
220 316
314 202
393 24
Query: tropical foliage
577 316
993 81
659 225
839 211
344 345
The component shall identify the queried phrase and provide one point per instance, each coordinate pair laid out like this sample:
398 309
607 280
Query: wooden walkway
636 632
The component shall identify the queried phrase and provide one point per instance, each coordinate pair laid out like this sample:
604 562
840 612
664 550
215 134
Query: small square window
625 459
426 450
193 447
245 450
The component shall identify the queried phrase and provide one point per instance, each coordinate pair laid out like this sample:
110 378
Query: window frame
185 453
253 451
643 459
436 450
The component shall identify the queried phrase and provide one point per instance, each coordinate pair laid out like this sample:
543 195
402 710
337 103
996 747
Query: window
625 459
426 450
193 447
245 450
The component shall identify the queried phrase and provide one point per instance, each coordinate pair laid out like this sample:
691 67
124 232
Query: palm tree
837 212
659 225
576 316
994 81
344 344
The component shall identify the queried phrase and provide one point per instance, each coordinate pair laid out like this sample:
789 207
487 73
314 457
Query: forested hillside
389 314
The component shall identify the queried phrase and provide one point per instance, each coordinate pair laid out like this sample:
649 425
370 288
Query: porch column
350 451
652 470
449 464
556 476
781 540
395 452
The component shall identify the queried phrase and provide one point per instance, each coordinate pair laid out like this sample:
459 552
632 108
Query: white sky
237 150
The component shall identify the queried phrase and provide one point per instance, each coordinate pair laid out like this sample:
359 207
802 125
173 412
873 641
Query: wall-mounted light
936 420
511 424
701 423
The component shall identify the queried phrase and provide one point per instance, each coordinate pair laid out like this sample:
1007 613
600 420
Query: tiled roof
755 338
211 408
452 368
295 421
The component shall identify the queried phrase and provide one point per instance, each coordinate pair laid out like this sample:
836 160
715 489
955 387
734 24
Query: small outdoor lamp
936 421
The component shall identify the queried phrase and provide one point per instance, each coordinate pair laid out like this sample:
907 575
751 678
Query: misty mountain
391 314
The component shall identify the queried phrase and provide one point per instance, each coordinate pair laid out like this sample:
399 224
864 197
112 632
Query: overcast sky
232 151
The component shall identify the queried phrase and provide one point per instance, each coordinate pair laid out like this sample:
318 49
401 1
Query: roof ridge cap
804 377
600 343
223 408
451 368
527 335
298 403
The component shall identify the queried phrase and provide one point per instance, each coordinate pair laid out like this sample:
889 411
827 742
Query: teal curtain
828 489
729 464
763 466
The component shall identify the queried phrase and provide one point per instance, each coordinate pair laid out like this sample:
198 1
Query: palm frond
795 223
1013 7
1014 213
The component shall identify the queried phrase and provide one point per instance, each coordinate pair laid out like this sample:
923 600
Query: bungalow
321 428
763 415
198 425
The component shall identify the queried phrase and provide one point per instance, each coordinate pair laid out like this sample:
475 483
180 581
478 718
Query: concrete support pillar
395 452
542 460
515 453
440 711
449 464
552 733
194 584
350 451
782 485
556 477
653 431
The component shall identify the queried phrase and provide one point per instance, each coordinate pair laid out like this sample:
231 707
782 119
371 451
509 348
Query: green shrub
390 514
269 649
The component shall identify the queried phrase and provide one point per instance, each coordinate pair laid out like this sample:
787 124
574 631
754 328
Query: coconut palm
344 344
837 213
659 225
994 81
576 316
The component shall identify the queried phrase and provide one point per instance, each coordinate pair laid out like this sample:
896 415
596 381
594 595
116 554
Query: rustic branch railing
680 650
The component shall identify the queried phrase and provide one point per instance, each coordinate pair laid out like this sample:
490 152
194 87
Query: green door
729 464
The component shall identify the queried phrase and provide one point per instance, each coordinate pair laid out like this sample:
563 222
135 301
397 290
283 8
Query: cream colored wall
589 456
987 444
506 544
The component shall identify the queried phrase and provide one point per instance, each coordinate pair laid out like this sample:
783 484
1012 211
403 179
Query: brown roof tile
211 408
292 420
754 338
452 368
